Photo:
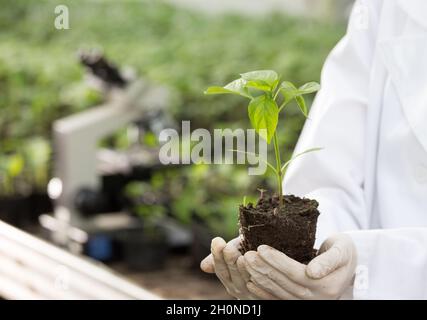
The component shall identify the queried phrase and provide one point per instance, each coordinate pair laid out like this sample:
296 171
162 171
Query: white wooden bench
31 268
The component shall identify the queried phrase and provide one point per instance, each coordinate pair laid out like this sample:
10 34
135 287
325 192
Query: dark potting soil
292 229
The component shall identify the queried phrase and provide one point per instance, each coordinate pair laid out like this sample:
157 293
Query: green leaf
260 85
301 104
298 155
309 87
289 91
264 114
217 90
237 86
270 77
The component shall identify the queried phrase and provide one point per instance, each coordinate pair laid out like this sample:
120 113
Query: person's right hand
328 276
227 263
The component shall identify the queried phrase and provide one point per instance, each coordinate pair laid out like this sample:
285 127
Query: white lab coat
371 118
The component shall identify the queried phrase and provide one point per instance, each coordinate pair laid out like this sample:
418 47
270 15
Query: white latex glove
227 262
327 276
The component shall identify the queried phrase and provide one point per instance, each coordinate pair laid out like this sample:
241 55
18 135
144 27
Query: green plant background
41 80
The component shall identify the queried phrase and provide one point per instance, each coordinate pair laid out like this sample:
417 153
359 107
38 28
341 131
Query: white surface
33 269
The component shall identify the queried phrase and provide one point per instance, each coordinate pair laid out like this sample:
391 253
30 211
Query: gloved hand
227 262
326 277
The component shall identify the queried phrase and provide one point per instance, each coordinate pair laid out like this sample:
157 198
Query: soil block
290 229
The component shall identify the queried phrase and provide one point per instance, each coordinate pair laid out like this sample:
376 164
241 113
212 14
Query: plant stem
276 94
279 166
282 105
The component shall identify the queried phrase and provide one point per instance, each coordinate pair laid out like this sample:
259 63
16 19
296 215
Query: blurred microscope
89 180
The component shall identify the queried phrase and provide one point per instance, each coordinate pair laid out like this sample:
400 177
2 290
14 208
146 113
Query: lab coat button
421 173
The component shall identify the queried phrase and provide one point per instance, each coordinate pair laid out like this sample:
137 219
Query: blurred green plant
145 201
215 203
37 153
11 167
198 193
40 79
27 169
182 49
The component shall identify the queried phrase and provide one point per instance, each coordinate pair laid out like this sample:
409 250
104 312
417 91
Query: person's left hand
326 277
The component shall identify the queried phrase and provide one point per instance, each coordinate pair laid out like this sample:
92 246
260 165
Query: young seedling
268 96
290 228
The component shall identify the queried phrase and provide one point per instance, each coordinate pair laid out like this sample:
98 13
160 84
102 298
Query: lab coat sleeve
334 176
